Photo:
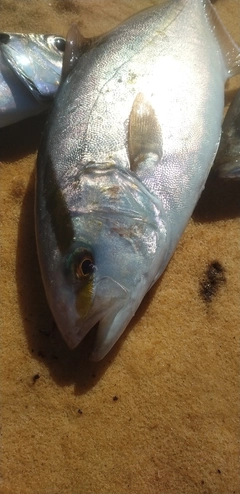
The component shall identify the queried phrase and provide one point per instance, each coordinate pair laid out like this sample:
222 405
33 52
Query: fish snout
74 322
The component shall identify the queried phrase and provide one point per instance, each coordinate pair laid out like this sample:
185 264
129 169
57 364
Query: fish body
125 155
30 70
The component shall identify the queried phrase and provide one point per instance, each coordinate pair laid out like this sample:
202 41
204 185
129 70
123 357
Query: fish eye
59 44
83 265
4 38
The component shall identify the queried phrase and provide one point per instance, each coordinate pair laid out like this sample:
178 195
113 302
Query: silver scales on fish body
127 149
126 152
30 70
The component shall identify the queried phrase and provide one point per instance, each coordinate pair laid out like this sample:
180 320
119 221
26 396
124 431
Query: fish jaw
109 297
16 102
30 69
118 243
36 59
111 327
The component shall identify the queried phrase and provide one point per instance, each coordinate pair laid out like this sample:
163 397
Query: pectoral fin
145 136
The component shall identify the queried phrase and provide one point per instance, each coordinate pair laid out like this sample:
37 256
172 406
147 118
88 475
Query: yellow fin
145 136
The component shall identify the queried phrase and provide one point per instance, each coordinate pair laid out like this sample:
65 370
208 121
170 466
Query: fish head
118 243
36 59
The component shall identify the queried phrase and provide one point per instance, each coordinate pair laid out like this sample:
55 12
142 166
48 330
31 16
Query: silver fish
30 70
126 152
227 163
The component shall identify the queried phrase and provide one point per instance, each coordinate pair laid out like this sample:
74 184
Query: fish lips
109 299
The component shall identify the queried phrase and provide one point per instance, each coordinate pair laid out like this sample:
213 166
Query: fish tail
230 49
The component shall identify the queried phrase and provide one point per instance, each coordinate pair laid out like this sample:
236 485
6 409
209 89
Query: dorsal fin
76 45
230 49
144 137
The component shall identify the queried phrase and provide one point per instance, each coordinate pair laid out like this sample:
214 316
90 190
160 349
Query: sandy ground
160 414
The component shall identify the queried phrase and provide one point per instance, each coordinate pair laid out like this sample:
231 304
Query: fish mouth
109 300
36 60
110 328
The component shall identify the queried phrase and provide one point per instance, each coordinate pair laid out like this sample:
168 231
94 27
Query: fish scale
138 118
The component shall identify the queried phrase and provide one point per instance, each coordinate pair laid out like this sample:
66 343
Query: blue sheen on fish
126 152
30 71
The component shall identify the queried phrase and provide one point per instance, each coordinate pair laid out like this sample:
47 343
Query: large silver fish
30 70
125 155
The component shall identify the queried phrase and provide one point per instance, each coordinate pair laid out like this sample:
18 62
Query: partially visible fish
227 163
127 149
30 71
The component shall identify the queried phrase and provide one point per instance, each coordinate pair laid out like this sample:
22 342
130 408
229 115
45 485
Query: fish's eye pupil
86 267
60 44
4 38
